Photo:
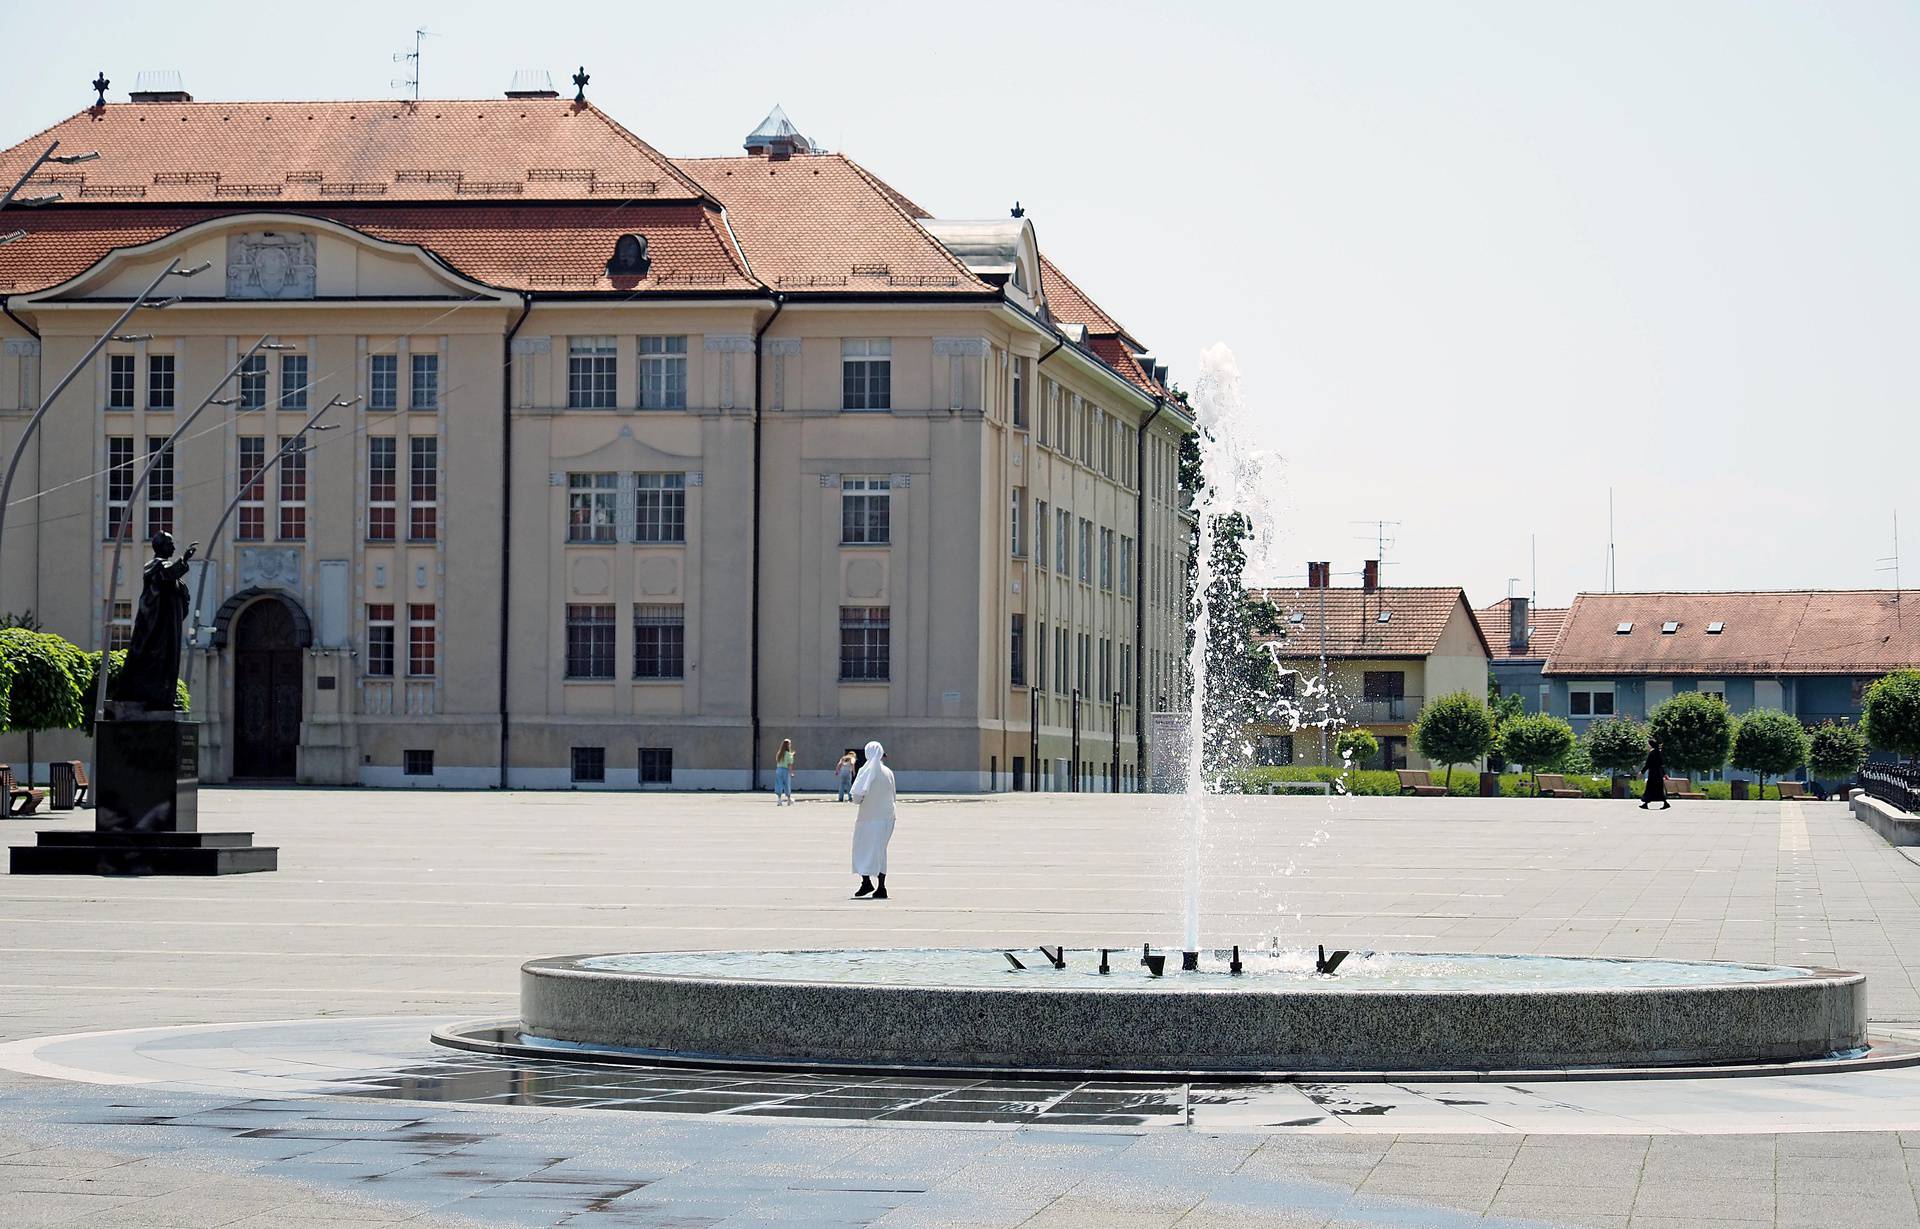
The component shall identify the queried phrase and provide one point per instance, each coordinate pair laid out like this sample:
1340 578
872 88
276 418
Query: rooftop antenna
1382 542
1533 548
1891 563
411 58
1613 573
1511 582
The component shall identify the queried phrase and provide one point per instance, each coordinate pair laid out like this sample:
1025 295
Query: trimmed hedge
1376 784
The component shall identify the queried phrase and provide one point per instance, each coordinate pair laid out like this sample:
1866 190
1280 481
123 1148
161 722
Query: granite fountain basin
970 1009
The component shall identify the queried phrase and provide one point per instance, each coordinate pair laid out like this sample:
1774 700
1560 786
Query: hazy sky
1479 262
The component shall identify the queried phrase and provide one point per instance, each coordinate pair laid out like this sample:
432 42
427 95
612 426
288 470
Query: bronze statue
151 675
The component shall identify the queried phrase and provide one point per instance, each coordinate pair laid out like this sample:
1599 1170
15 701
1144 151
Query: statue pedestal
146 810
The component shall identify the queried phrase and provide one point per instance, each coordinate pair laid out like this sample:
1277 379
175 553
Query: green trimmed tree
1695 732
1454 729
1892 717
43 686
1617 746
1835 752
1770 743
1537 741
1356 747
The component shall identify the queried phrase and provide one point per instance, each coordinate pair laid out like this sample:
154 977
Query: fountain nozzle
1057 956
1104 966
1326 964
1014 961
1234 968
1156 965
1189 962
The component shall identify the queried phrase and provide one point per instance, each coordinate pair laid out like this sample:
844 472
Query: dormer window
629 257
1624 629
1669 628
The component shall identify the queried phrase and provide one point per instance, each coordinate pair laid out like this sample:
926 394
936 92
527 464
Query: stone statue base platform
146 810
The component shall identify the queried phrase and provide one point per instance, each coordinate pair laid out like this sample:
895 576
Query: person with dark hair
1656 790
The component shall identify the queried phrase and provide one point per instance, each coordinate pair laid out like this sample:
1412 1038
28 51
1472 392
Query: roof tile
1803 631
1353 629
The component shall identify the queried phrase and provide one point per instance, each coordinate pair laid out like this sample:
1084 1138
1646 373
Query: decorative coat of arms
270 265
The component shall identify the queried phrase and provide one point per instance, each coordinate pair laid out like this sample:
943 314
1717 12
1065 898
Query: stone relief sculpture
270 265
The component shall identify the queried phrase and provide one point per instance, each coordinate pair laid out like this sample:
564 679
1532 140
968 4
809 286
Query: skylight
1716 627
1386 616
1625 629
1298 616
1669 628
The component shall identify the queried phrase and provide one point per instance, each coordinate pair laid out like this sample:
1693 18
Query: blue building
1521 639
1811 653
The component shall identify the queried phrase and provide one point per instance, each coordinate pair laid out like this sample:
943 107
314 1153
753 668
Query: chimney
1370 575
1317 575
1517 629
159 85
532 83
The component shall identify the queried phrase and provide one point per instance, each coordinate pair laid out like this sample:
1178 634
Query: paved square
423 904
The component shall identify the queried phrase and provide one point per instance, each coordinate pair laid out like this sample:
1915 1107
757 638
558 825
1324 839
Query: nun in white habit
873 826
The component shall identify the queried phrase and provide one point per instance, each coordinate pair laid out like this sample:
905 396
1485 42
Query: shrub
1892 717
1835 752
43 692
1537 741
1770 743
1695 733
1454 729
1356 746
1617 746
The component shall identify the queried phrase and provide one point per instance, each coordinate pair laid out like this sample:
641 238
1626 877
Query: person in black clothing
1656 790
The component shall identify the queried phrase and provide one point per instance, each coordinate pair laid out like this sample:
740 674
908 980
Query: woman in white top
873 826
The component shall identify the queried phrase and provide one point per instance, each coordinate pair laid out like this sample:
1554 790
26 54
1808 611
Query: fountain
1222 1014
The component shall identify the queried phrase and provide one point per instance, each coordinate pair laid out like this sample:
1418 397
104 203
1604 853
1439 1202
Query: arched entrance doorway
267 682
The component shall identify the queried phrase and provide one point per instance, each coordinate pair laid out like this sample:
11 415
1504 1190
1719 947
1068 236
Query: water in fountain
1236 479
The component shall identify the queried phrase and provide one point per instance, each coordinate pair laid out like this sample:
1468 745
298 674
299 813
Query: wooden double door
268 683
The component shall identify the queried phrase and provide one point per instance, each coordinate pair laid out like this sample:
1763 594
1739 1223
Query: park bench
1416 781
70 785
1553 785
21 799
1789 790
1682 788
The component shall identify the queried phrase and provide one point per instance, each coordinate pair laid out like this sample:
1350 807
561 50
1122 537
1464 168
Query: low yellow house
1368 657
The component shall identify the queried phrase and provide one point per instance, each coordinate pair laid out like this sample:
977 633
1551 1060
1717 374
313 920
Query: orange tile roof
1419 618
821 223
1546 623
541 248
1804 631
234 153
1070 305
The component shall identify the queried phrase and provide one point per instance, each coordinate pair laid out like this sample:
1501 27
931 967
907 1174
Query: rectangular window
425 394
1106 559
293 490
1082 663
1126 566
1013 521
663 373
865 644
659 641
1086 550
383 492
252 511
1273 750
592 503
120 626
656 765
589 765
1106 668
866 373
160 381
1590 699
1040 655
416 763
1040 533
293 381
119 482
253 382
1062 541
589 642
1061 662
866 510
423 648
119 381
423 489
660 507
1017 651
383 382
159 486
1043 412
1126 673
593 367
380 641
1019 392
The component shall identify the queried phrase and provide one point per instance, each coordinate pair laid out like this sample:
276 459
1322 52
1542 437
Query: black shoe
1643 806
880 895
866 889
1666 806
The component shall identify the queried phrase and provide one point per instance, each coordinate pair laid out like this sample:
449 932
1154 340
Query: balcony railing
394 697
1378 712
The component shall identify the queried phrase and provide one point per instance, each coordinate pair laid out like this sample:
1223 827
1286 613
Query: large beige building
650 463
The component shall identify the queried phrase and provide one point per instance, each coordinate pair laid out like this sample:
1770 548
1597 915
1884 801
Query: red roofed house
1388 650
1521 636
647 463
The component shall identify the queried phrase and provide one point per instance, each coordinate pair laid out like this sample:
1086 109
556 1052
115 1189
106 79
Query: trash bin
1489 785
1738 791
65 787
